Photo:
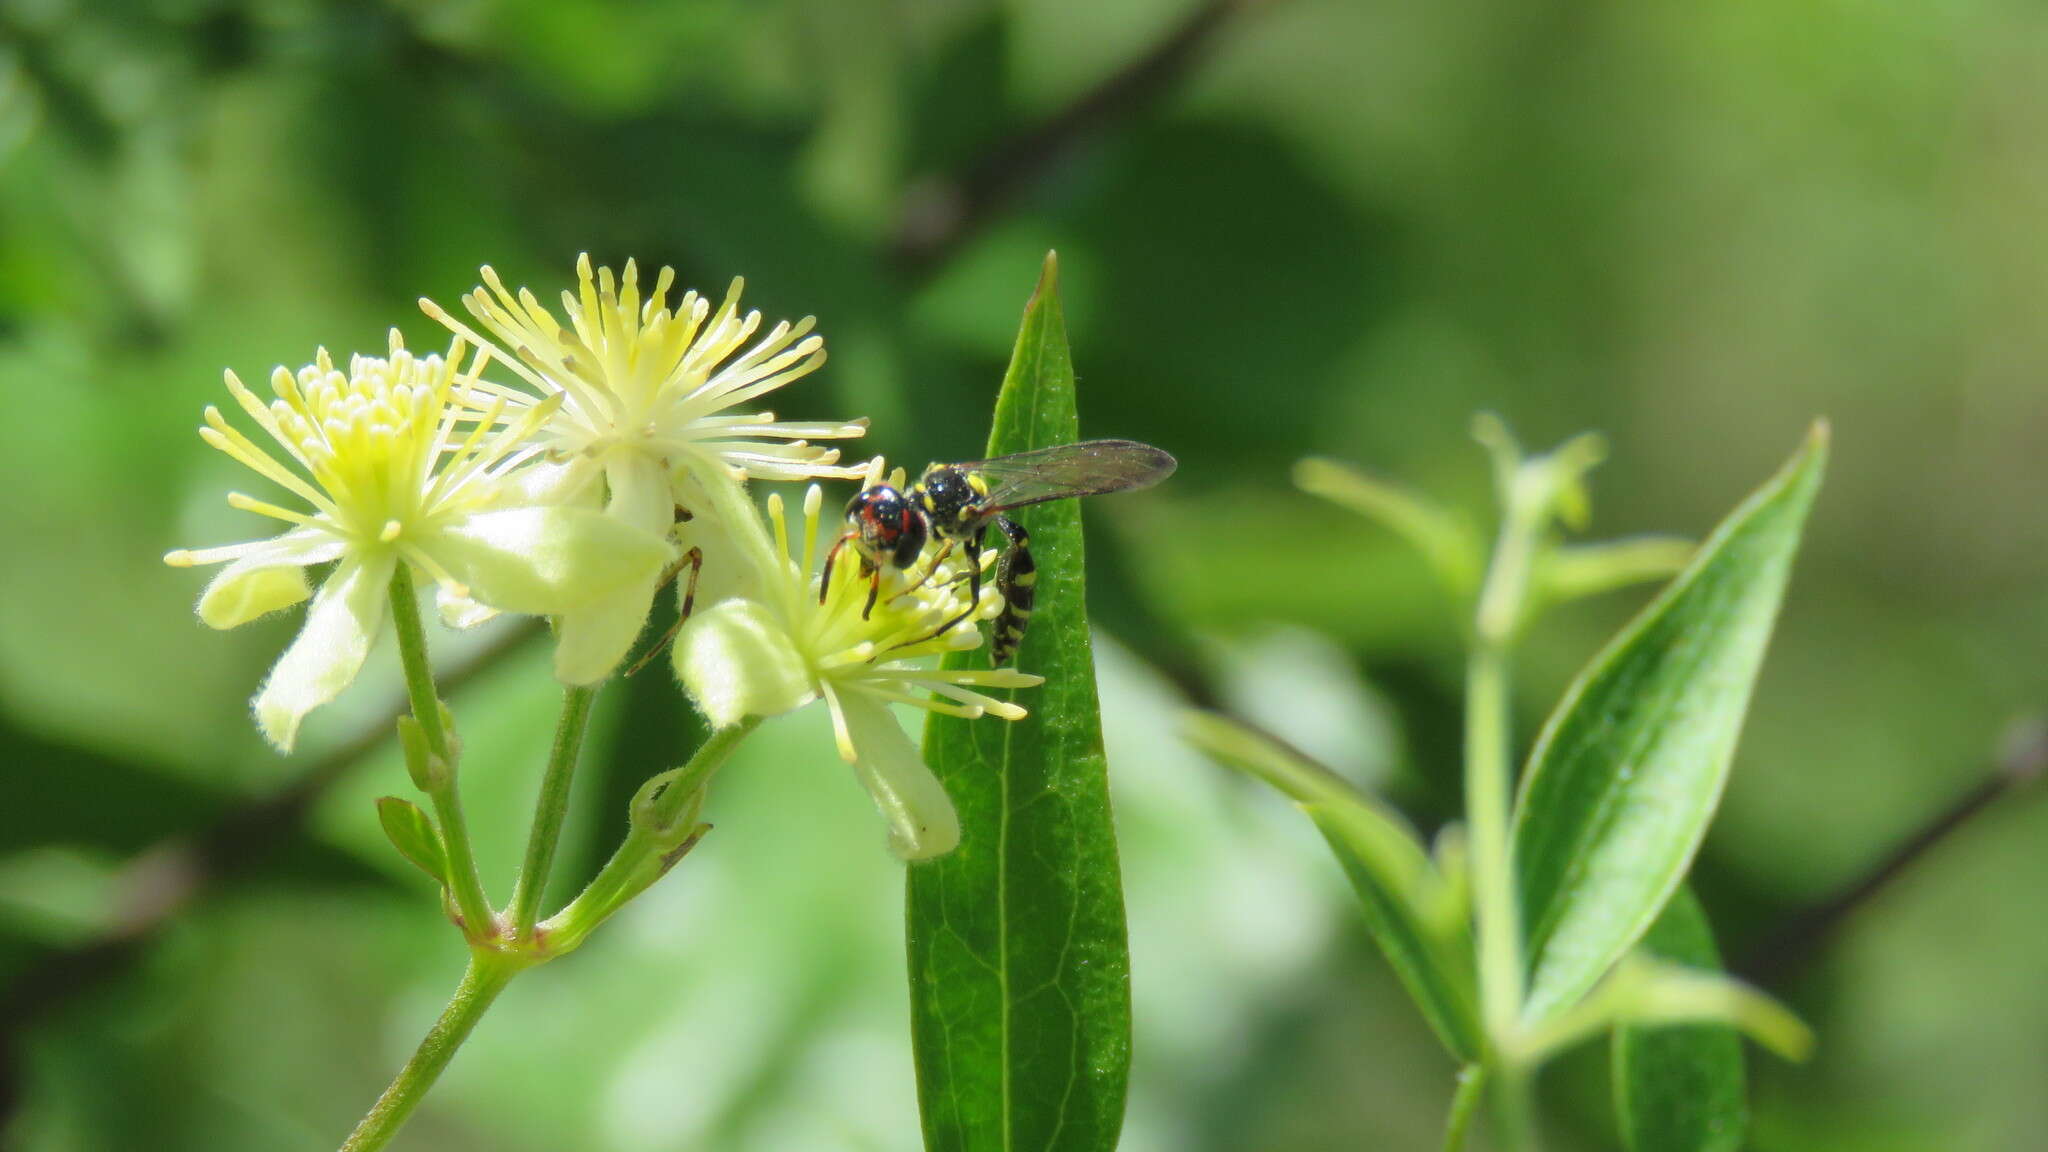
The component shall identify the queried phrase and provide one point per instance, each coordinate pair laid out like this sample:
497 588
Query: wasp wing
1089 468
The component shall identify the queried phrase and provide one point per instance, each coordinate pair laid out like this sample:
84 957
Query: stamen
244 503
963 711
814 498
193 557
223 436
776 518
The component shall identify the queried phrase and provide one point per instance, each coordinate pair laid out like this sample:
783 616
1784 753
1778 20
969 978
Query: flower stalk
465 885
663 828
488 974
550 810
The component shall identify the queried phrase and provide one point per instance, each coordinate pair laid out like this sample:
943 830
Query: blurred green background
1329 226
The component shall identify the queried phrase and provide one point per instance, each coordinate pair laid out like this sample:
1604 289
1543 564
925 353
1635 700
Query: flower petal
922 823
736 660
590 642
546 561
572 481
459 610
340 627
640 491
269 576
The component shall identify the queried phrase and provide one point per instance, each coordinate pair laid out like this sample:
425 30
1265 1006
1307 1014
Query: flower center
371 439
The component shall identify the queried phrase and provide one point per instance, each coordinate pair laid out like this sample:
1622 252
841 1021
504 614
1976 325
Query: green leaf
1394 882
1447 543
413 834
1573 571
1629 769
1019 967
1679 1088
1409 908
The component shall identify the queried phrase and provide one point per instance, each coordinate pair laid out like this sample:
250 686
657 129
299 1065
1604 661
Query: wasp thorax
887 528
951 500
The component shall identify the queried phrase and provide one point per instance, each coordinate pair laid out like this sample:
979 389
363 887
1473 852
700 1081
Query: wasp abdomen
1016 578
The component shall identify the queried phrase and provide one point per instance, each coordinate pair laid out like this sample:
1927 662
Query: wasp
957 503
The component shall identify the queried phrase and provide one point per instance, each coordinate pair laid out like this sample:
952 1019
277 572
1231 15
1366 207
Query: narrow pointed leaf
1679 1088
1629 769
1573 571
1399 889
1019 968
413 835
1392 876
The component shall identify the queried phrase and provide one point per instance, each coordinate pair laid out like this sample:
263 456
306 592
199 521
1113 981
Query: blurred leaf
1647 992
1680 1088
1572 571
1293 775
56 793
1404 899
1629 769
1392 878
414 836
1019 967
1444 540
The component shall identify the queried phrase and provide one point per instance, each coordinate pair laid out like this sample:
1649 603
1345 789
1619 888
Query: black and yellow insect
957 503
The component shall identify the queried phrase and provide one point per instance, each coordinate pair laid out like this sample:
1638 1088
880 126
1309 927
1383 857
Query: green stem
1488 792
1489 807
1513 1109
1464 1105
487 976
550 810
661 828
463 880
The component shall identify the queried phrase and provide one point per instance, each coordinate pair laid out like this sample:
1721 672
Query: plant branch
466 885
664 828
488 973
939 212
551 809
1464 1105
1786 950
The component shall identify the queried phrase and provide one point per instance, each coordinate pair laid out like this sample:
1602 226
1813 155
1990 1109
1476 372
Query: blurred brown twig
939 211
1787 949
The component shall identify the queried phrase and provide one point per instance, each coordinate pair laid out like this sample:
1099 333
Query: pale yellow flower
394 467
649 397
782 648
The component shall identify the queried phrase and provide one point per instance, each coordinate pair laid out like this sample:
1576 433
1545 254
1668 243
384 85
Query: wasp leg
831 557
930 568
973 550
694 561
1016 579
874 572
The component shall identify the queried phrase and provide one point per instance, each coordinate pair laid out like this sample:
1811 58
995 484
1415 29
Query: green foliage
1397 888
1400 891
1629 770
1621 787
1713 223
412 832
1019 973
1679 1088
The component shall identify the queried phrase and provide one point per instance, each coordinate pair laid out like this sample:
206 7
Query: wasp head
887 528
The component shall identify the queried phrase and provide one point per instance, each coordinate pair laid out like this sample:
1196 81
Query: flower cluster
618 441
